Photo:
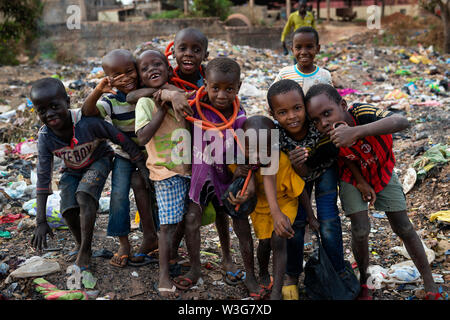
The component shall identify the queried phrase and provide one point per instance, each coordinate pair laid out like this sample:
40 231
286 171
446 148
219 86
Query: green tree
18 27
212 8
444 8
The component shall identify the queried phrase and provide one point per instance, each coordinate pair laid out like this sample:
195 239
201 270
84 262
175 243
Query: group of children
173 130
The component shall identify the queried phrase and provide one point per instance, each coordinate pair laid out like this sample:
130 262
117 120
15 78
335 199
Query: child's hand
313 223
179 101
238 199
104 86
242 170
282 225
367 192
298 157
344 136
39 239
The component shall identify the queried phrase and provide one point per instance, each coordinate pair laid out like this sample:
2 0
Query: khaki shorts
390 199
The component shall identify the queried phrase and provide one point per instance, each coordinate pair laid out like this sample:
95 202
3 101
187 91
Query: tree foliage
18 26
212 8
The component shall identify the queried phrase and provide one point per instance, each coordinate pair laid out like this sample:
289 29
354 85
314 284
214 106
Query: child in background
81 143
121 73
155 126
211 178
305 46
366 164
278 196
313 157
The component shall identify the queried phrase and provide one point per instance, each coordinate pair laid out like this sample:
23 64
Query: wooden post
328 10
186 7
318 9
252 11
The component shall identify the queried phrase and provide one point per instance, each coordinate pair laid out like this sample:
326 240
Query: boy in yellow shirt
276 209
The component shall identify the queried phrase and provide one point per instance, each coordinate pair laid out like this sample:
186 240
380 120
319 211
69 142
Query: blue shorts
90 180
172 198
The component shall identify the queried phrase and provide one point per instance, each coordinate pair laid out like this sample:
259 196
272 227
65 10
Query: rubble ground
408 79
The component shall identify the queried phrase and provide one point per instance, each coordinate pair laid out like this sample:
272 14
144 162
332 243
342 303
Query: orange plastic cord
226 124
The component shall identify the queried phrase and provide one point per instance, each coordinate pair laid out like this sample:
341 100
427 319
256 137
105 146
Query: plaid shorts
172 198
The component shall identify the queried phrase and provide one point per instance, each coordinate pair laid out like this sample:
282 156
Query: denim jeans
119 206
330 224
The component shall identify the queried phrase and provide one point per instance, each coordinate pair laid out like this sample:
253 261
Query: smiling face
52 108
289 110
121 71
324 112
222 89
190 52
153 69
305 48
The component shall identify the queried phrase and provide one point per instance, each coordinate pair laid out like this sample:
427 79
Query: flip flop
103 253
122 259
235 275
147 260
436 295
258 296
290 292
268 288
177 282
364 294
171 290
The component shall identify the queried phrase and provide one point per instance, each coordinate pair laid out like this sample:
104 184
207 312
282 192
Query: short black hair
223 65
157 52
307 29
283 86
259 122
116 53
196 32
47 84
323 88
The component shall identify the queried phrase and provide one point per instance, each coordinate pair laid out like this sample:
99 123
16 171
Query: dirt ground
136 283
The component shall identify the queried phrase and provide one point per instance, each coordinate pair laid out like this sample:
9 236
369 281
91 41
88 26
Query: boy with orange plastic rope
210 175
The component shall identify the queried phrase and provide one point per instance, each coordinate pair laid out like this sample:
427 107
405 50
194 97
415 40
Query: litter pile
412 81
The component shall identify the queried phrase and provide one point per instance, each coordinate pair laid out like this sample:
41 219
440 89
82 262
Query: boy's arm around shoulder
345 136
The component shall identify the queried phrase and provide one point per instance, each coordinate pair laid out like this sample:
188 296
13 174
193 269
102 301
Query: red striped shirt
374 154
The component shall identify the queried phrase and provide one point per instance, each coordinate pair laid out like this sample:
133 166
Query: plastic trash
396 94
409 180
4 269
431 255
443 216
54 218
16 190
34 267
435 156
26 147
88 280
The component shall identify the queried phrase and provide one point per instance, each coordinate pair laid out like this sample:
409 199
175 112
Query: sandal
178 280
147 260
171 291
258 296
123 260
364 294
235 276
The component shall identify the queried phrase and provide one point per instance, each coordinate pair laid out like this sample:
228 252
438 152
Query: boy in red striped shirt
366 164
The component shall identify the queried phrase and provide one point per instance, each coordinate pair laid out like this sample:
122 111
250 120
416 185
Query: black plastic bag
246 208
323 283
